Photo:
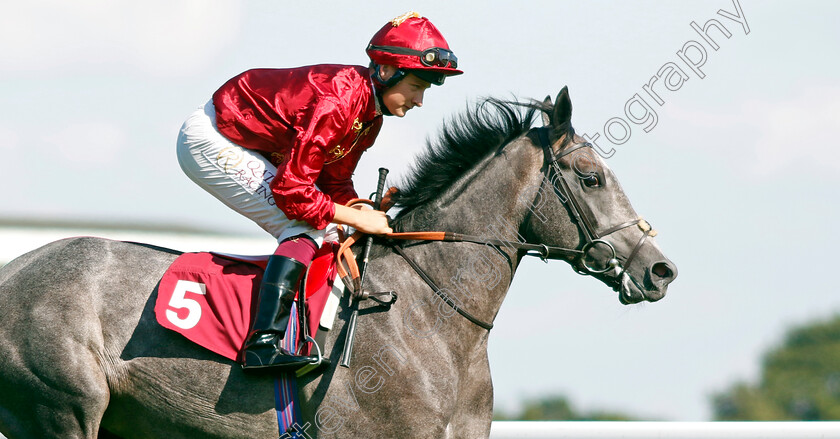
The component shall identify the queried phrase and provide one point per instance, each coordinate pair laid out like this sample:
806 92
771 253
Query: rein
351 275
540 250
562 190
434 287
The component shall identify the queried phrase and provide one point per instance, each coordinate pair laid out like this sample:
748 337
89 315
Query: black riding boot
276 298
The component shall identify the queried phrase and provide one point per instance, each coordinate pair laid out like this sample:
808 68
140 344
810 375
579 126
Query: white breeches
237 176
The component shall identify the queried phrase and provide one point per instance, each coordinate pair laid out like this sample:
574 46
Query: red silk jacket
312 122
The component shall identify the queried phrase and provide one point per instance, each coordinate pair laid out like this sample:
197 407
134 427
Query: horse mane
464 141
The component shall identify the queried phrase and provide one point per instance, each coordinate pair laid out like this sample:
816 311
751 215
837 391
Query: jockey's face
405 95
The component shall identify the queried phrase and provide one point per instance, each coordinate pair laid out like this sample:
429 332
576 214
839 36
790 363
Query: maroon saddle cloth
209 298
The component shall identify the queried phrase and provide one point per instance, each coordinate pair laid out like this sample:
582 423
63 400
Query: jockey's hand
369 221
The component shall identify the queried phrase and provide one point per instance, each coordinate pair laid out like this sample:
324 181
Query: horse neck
495 188
491 201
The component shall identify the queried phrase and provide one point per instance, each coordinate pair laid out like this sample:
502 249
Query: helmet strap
382 85
392 81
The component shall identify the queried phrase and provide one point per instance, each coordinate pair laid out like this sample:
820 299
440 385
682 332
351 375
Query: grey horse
82 356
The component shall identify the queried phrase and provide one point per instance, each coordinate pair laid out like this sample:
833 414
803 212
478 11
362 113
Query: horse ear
562 108
546 116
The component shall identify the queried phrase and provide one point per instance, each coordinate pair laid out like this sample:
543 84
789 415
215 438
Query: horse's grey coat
80 347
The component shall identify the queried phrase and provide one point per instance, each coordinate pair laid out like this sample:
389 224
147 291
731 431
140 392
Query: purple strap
286 401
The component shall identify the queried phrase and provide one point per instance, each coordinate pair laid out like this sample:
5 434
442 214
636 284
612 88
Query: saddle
210 299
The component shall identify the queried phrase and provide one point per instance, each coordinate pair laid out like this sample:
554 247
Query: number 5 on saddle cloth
210 299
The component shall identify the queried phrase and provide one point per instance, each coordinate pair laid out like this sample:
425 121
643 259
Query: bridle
593 238
614 270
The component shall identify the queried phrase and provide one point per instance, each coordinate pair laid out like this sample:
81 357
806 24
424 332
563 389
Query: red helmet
412 43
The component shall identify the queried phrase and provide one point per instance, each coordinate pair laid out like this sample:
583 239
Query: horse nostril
662 270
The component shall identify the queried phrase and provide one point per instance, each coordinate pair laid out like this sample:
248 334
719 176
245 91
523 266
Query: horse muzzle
653 286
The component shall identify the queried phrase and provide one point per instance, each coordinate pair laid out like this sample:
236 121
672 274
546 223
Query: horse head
580 206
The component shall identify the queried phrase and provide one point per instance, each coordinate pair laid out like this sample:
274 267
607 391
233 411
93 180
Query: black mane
464 141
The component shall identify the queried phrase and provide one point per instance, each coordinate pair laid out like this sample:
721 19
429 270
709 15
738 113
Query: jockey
280 146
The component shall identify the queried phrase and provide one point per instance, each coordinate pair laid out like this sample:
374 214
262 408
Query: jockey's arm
367 220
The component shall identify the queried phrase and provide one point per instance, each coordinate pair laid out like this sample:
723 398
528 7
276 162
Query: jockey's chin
399 105
400 111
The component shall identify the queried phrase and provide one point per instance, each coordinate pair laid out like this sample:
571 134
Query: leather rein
578 257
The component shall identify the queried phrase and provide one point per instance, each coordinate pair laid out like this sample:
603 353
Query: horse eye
591 181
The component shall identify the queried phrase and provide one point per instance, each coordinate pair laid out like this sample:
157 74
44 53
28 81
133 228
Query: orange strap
387 199
419 236
346 256
350 275
346 265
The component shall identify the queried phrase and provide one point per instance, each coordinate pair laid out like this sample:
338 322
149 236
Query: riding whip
351 324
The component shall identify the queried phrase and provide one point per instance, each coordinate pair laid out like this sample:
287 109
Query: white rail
664 430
